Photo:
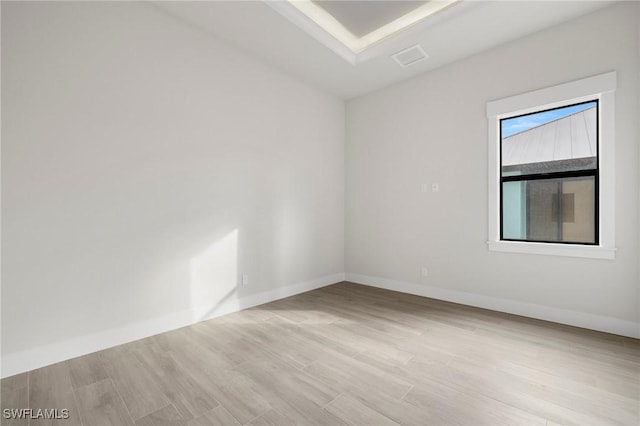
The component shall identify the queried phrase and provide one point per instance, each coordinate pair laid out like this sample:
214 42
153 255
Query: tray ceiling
467 28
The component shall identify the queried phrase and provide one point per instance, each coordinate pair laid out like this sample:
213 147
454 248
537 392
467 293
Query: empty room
320 213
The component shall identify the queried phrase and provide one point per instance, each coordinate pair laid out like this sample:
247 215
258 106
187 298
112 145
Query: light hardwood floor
348 354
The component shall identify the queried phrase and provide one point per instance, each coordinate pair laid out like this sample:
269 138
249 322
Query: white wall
146 167
434 129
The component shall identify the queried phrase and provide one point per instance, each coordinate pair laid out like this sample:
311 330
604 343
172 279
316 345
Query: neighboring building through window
549 175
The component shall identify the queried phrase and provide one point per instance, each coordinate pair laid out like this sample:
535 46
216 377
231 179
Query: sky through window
511 126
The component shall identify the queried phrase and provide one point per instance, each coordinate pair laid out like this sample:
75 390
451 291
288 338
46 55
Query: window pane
514 219
557 140
552 210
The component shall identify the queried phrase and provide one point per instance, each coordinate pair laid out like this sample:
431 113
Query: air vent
409 56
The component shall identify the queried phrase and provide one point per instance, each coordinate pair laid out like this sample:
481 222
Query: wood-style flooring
347 354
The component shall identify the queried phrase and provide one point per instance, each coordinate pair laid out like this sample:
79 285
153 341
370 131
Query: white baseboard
562 316
19 362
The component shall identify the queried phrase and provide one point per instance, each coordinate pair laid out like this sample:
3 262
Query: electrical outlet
245 280
425 271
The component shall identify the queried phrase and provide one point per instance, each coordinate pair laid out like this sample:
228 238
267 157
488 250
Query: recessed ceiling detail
350 28
361 17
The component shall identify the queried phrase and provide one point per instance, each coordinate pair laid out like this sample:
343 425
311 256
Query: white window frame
601 87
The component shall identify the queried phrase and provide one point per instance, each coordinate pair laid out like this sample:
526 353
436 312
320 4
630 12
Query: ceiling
262 29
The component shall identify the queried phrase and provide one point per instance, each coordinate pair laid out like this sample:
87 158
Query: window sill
571 250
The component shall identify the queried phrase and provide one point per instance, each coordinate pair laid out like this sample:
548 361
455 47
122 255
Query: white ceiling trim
321 25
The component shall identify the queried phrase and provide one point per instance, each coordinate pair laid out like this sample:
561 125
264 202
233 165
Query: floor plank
137 385
88 369
50 389
217 416
166 416
272 418
356 413
185 393
14 394
100 404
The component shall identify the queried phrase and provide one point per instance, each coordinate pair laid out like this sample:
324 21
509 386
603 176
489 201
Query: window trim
602 88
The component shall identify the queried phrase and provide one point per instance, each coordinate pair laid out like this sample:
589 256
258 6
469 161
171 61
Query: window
551 170
549 175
